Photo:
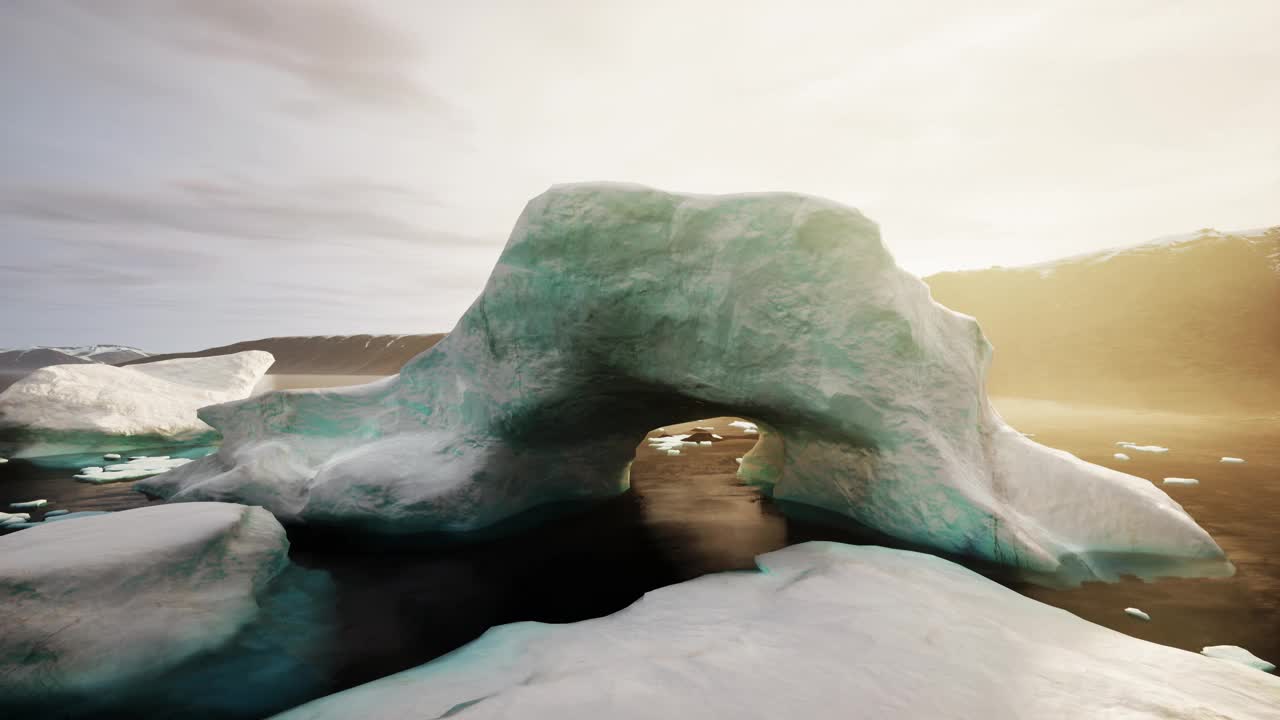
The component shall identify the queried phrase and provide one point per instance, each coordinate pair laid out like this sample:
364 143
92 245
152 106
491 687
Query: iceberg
102 602
1135 612
71 408
1238 654
614 309
824 630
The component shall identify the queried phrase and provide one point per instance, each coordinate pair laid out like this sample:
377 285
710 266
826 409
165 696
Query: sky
177 174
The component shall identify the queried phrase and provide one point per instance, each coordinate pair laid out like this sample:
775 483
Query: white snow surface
876 412
1235 653
824 631
159 398
100 601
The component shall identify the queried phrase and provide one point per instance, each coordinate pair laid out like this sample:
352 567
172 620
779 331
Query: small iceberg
7 519
111 456
1235 653
1181 481
28 504
1121 456
1135 612
1232 460
744 425
1143 448
136 468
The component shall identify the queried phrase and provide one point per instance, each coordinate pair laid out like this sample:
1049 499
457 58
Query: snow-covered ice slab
614 309
132 470
94 604
823 631
1238 654
70 408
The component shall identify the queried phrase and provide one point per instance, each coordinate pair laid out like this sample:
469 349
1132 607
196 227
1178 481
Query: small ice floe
1135 612
738 460
63 515
56 513
136 457
3 460
704 429
1121 456
717 437
1232 460
136 468
673 451
1235 653
1143 448
744 425
7 519
704 442
750 431
90 470
111 456
28 504
1181 481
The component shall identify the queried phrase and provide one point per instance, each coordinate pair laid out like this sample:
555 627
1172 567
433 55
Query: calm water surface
343 617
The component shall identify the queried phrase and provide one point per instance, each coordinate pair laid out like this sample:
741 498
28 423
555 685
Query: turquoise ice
615 309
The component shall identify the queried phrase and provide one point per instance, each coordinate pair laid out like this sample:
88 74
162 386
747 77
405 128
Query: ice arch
615 308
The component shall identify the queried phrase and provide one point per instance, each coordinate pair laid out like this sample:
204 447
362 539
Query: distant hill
326 355
1189 323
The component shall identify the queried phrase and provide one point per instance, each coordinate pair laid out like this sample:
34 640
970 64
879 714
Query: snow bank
100 602
136 468
616 308
1238 654
823 631
75 405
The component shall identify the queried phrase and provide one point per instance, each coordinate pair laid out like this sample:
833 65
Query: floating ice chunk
704 442
111 456
1121 456
718 437
673 451
3 460
57 515
137 457
743 424
1238 654
1232 460
90 470
1144 448
136 468
1181 481
738 460
97 402
28 504
703 429
750 431
823 631
9 518
100 603
1135 612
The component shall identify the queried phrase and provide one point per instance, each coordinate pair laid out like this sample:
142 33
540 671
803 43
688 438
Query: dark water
343 617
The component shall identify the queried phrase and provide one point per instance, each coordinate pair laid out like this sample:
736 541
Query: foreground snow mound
615 309
95 604
823 631
75 404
